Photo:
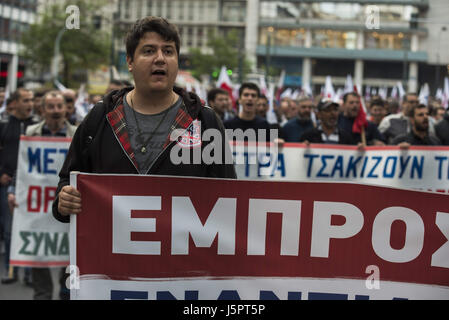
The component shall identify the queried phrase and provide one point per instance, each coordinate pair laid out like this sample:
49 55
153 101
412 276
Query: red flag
360 121
225 83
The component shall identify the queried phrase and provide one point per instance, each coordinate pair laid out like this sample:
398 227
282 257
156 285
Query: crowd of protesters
305 120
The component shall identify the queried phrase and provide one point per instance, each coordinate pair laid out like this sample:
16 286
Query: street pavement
18 290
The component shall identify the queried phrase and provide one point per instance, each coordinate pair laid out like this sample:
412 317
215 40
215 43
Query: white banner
420 168
38 239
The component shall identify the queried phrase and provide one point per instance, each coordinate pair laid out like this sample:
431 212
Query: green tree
226 51
81 49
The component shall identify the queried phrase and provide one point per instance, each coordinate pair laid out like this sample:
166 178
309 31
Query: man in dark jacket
295 127
420 134
442 129
327 131
138 127
10 132
350 107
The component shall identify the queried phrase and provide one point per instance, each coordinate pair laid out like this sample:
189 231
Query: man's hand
378 143
360 147
279 142
69 201
404 145
12 202
5 179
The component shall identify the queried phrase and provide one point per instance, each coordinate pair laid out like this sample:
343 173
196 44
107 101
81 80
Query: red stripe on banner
348 254
39 264
351 147
45 139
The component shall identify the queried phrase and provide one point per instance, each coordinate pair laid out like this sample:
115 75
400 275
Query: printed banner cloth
420 168
37 239
157 237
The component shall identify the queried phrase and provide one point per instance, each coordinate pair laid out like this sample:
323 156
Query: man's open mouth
159 73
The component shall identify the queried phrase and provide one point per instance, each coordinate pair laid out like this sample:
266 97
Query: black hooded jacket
103 150
442 129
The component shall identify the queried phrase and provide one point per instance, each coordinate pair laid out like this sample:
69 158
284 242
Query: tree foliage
225 52
85 48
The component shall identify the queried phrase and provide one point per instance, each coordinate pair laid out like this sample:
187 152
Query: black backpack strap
93 121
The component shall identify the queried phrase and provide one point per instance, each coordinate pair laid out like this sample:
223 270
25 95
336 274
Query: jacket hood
190 99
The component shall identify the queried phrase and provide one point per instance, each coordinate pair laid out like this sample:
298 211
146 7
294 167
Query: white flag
445 101
349 85
424 94
329 91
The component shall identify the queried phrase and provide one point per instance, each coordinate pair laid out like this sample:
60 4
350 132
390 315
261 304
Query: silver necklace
139 138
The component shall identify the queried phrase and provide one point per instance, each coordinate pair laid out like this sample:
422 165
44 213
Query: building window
181 10
168 12
334 39
387 41
234 11
127 12
200 37
149 7
283 37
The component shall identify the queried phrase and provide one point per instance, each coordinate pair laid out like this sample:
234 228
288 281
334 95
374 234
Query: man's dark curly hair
161 26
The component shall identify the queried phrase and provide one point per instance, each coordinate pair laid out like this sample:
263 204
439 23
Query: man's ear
129 61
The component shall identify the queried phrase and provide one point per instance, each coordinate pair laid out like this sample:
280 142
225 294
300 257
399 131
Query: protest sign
37 239
158 237
420 168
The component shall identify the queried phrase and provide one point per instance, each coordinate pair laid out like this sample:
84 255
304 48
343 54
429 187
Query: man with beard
398 124
350 107
54 124
327 131
419 135
296 126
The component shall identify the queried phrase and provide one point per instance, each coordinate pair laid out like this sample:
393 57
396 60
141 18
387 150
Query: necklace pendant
143 150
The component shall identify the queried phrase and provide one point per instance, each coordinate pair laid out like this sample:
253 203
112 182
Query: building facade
15 17
377 42
195 19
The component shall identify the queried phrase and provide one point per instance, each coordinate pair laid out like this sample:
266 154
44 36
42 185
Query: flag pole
363 136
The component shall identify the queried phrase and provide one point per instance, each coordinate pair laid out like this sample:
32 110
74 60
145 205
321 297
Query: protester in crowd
442 129
94 99
377 111
327 130
247 118
287 110
392 106
218 99
54 124
419 133
37 105
296 126
70 98
134 130
397 124
10 132
350 107
262 107
437 114
10 106
115 84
